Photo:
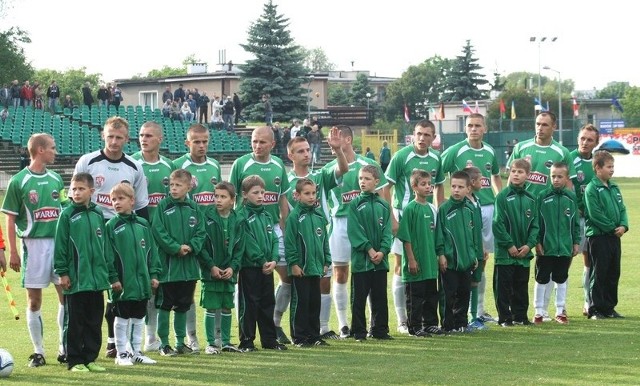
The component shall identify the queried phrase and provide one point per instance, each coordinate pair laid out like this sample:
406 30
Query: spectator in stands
204 109
166 108
216 107
53 93
268 109
15 93
193 106
306 128
237 104
4 114
196 97
295 128
187 114
5 96
110 90
26 94
103 96
277 137
68 103
227 114
38 96
167 95
315 121
87 98
176 115
117 96
314 137
25 159
369 154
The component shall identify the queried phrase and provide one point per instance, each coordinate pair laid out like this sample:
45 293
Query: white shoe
153 346
194 345
211 350
124 360
145 360
402 328
546 317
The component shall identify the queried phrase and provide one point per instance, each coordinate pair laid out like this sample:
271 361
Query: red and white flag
465 107
406 113
576 108
477 108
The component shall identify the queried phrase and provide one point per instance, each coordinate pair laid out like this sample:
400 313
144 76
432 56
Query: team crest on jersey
99 181
528 158
548 164
194 182
269 228
487 166
380 221
99 232
33 197
527 213
319 232
277 181
580 176
433 173
165 181
55 195
214 181
567 212
143 243
192 222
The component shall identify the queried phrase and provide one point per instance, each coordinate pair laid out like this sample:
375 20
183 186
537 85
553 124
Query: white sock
151 320
34 324
586 284
548 291
399 298
218 323
538 297
137 328
325 312
341 299
61 349
191 324
120 327
481 288
283 297
561 297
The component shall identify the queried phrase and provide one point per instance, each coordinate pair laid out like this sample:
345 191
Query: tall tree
338 95
465 80
612 89
70 81
13 62
276 70
359 90
631 103
316 60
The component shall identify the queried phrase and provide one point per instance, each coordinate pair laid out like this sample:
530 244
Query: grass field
583 352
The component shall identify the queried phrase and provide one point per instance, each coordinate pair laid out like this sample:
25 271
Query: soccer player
339 244
205 172
109 167
325 180
588 138
32 205
473 151
261 162
157 169
419 155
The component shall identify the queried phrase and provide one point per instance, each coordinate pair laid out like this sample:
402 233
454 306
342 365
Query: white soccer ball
6 363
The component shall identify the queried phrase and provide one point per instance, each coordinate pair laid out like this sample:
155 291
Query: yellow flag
513 110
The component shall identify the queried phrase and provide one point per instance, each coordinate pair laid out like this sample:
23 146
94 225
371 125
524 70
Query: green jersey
341 196
605 210
157 174
418 227
35 200
275 179
584 174
541 158
369 226
325 180
204 178
462 155
403 163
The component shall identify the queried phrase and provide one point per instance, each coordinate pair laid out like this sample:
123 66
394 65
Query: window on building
149 98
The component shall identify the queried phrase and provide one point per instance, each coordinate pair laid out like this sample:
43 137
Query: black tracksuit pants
84 329
256 303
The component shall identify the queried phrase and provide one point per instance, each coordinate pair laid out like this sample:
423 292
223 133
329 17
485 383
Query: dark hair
302 182
521 163
224 185
461 175
426 124
373 170
561 165
600 158
83 177
345 131
549 114
251 181
473 172
419 174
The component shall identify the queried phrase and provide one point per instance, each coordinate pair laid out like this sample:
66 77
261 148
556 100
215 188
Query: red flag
477 108
406 113
503 109
440 114
576 108
466 108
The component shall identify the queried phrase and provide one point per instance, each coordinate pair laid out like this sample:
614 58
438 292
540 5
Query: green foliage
338 95
13 62
167 71
617 89
316 60
276 70
465 80
70 82
359 90
498 83
631 104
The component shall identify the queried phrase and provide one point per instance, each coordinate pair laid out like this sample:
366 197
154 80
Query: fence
375 140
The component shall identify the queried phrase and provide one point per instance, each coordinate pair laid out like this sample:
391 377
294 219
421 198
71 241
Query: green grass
583 352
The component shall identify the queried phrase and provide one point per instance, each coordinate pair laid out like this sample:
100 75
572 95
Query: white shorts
397 247
487 231
339 243
583 238
37 263
282 261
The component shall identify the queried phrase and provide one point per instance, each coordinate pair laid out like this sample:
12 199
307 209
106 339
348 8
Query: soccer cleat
62 358
230 348
80 368
124 360
303 344
143 359
538 319
167 351
185 350
281 336
477 325
546 317
360 338
562 319
249 349
523 322
211 350
458 330
194 346
403 328
277 347
36 360
95 368
320 342
434 330
153 346
487 318
506 324
111 351
615 314
421 334
345 332
330 335
598 316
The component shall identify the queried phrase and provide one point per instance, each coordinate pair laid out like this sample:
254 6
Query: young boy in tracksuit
255 280
85 272
558 241
306 247
369 229
606 223
130 245
515 230
456 250
223 246
178 229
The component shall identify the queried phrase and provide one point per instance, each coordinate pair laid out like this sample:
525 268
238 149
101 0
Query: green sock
163 326
180 327
474 303
225 329
210 326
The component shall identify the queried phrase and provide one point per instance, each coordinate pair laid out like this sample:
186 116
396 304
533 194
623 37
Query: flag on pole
406 113
440 114
513 110
465 107
547 106
538 105
503 109
576 107
615 103
477 108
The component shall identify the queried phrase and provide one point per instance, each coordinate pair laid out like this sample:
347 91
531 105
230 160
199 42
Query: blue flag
616 104
539 106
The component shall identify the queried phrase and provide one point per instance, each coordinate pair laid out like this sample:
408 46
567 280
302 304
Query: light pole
540 41
368 97
309 96
559 101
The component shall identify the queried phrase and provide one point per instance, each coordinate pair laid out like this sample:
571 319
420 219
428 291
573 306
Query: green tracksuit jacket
515 223
223 249
477 228
79 250
605 210
559 222
456 226
176 223
369 226
306 241
131 247
259 241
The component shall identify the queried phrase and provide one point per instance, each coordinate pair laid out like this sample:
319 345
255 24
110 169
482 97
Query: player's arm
14 257
334 142
284 210
496 183
387 193
439 194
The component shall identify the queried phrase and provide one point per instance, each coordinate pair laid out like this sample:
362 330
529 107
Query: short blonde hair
123 188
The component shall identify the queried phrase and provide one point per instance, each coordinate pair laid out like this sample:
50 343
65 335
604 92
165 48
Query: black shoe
383 337
248 349
277 347
320 342
281 336
62 358
420 334
303 344
330 335
36 360
345 332
597 316
111 350
615 314
524 322
506 324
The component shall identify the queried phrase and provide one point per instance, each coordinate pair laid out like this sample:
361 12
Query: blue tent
613 146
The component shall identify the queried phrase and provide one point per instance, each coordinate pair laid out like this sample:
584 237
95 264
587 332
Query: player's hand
117 286
485 256
523 251
576 249
227 273
3 262
540 250
154 283
216 273
442 262
413 267
268 268
377 258
65 283
184 250
333 139
513 251
14 261
296 271
619 231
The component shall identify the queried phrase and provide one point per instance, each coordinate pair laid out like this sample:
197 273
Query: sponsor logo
301 218
452 215
192 221
204 198
347 197
580 176
143 243
33 197
277 181
527 213
538 178
165 181
433 173
103 199
55 195
154 170
43 183
486 183
46 214
99 181
99 232
270 198
155 198
319 232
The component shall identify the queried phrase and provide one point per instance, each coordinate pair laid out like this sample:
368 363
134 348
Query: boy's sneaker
62 358
330 335
382 337
546 317
111 351
95 368
124 360
403 328
143 359
598 316
153 346
281 336
277 347
36 360
434 330
615 314
194 346
167 351
80 368
538 319
421 334
320 342
249 349
211 350
477 325
345 332
487 318
303 344
230 348
506 324
185 350
360 338
523 322
562 319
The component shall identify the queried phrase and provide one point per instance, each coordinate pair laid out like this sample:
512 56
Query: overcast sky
117 38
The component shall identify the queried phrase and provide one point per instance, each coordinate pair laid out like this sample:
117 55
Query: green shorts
217 295
476 275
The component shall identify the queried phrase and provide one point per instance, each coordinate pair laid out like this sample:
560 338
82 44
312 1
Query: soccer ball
6 363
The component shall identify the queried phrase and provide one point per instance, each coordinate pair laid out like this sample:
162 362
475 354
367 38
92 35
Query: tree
277 69
167 71
359 90
13 62
631 103
70 81
464 80
338 95
617 89
316 60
